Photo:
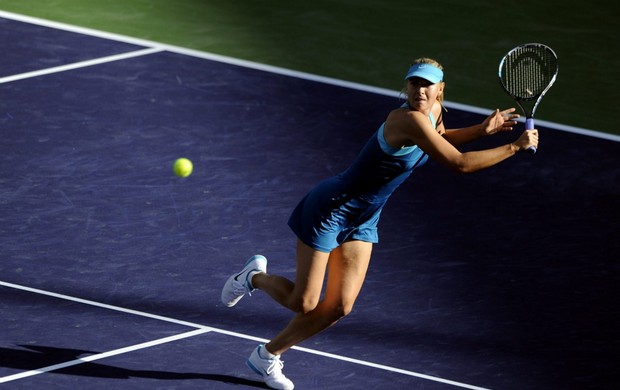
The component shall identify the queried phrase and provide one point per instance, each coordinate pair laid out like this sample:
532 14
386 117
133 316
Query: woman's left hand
499 121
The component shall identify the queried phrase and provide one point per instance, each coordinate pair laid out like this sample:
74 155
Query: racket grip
529 125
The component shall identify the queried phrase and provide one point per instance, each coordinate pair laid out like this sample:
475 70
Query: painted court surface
112 267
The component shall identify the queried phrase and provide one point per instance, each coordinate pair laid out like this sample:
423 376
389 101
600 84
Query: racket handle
529 125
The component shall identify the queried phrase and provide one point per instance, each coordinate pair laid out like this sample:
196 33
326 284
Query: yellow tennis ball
183 167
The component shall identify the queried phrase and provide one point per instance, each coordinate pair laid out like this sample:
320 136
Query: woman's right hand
527 139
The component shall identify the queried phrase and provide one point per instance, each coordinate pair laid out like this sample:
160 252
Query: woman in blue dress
336 222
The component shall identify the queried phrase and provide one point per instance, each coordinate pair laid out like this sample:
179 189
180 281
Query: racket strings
528 71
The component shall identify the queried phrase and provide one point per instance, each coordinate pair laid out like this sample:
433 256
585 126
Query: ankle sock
263 353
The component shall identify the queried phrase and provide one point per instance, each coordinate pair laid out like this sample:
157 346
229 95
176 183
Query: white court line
92 358
392 369
277 70
203 329
101 305
81 64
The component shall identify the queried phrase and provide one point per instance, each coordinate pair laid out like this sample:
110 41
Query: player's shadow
36 357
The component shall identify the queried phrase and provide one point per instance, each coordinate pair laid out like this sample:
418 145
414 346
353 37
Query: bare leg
347 270
304 294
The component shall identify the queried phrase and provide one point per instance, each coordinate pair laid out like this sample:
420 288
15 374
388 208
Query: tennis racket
526 74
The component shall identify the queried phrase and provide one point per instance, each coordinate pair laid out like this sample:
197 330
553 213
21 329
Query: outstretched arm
416 127
497 122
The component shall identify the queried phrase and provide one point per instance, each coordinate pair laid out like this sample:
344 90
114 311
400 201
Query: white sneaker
270 370
239 284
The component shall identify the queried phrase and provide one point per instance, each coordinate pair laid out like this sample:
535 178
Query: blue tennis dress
348 206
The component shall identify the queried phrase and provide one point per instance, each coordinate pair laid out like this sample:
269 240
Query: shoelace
275 367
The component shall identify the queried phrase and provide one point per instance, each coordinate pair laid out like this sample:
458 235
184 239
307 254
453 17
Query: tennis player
336 222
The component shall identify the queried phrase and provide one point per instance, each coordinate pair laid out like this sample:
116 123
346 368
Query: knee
303 304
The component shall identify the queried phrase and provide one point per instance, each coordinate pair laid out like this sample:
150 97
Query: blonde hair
430 61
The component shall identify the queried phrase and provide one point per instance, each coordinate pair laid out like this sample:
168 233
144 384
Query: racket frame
529 115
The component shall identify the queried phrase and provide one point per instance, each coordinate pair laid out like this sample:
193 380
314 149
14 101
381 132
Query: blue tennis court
112 267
